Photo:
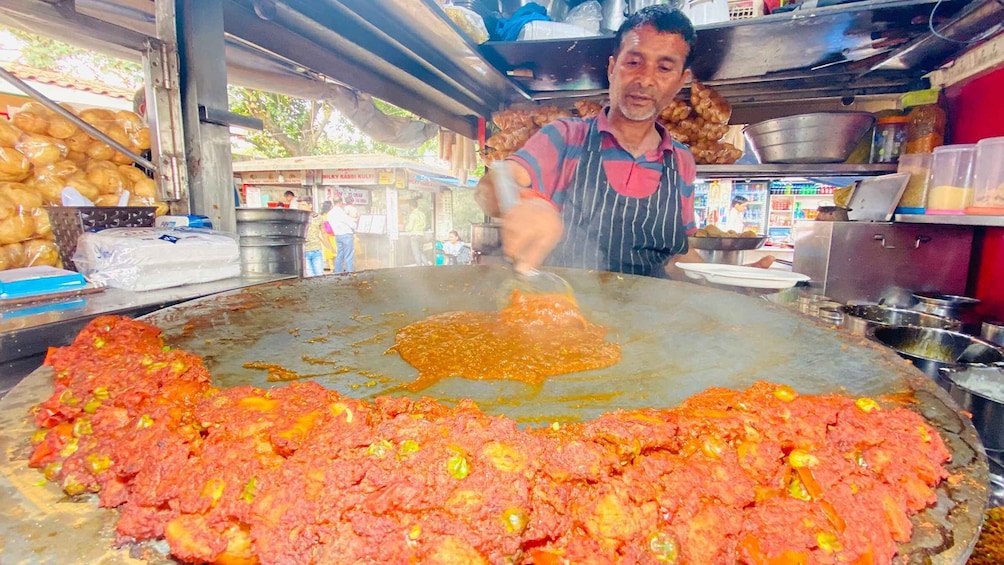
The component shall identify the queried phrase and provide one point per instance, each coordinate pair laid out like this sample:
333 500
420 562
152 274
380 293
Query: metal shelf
961 220
800 170
411 54
848 49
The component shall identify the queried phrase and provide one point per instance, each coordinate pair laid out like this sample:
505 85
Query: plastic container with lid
890 139
918 165
988 178
951 186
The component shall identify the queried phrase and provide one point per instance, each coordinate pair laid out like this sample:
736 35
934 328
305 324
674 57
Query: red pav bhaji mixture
300 474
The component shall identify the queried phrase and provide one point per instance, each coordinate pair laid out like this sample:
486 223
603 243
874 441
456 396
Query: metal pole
93 131
204 83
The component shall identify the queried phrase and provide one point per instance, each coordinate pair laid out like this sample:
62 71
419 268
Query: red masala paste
300 474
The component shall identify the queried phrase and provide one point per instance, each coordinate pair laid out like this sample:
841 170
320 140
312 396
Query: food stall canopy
409 53
372 169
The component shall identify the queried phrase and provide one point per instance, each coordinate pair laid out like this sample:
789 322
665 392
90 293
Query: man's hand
530 230
486 194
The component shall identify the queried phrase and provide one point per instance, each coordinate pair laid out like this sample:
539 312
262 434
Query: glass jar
925 129
890 139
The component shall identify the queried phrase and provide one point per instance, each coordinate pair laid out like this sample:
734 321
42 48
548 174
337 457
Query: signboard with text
272 177
350 177
422 182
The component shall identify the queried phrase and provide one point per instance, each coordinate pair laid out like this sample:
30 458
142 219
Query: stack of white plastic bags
141 259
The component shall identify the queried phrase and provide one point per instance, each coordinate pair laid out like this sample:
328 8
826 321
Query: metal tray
875 199
677 338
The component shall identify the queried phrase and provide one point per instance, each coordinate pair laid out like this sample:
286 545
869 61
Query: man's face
647 73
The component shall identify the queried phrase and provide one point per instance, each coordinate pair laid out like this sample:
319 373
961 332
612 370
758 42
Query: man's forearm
676 273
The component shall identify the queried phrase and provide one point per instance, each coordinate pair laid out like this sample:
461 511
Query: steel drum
677 338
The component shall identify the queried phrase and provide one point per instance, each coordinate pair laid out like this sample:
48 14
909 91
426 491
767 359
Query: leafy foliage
294 127
50 54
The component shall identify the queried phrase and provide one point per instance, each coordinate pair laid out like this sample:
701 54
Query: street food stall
375 184
267 407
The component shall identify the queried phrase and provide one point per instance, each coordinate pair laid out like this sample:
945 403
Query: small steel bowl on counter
979 390
820 137
859 318
931 349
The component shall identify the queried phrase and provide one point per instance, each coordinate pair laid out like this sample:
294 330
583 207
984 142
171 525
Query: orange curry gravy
536 336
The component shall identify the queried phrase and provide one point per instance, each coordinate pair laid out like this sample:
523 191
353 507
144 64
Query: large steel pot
821 137
268 222
271 240
945 305
931 349
859 318
677 339
486 238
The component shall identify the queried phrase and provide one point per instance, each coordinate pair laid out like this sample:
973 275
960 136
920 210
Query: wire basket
745 9
69 222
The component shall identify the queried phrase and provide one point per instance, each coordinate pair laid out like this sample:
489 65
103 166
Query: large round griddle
677 339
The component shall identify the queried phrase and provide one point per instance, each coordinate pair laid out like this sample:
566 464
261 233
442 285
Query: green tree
50 54
292 127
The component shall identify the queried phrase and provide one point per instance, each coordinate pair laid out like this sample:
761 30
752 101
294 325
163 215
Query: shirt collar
603 125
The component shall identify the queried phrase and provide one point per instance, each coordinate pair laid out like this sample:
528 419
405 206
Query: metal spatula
533 280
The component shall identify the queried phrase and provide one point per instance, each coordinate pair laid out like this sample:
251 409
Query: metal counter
26 332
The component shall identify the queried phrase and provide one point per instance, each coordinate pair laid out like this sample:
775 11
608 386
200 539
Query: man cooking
614 192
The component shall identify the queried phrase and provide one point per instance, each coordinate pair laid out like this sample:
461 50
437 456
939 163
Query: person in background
313 265
614 192
350 209
344 229
455 250
414 228
289 199
734 217
327 237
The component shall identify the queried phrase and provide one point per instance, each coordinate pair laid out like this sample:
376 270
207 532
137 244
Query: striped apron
607 231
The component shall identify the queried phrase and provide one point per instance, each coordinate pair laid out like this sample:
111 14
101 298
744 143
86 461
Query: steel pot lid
945 300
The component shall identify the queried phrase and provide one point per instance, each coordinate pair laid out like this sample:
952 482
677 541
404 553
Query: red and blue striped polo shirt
552 155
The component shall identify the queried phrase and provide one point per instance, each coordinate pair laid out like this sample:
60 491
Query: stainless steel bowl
724 250
822 137
993 331
726 243
859 318
979 390
931 349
